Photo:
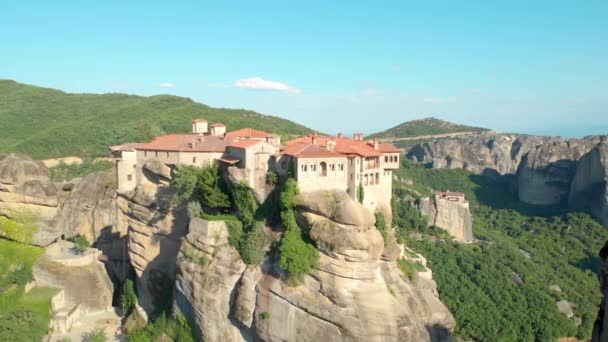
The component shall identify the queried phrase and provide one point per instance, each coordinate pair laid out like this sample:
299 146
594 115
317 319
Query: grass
66 172
218 217
410 269
23 317
61 124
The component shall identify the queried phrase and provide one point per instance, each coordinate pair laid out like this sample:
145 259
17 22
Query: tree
203 184
128 298
360 193
298 256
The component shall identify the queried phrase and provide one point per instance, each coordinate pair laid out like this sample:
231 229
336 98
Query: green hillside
506 285
426 126
47 123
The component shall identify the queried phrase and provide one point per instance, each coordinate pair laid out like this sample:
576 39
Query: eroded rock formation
454 217
355 294
544 170
589 187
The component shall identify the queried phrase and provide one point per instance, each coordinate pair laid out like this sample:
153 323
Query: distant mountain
47 123
425 127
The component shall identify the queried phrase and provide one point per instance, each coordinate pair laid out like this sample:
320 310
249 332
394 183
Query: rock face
454 217
354 294
543 169
25 186
82 277
590 185
600 328
155 229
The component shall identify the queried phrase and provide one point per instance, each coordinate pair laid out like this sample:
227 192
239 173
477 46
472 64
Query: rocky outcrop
545 173
454 217
25 186
589 188
541 168
600 328
80 275
155 229
209 271
353 295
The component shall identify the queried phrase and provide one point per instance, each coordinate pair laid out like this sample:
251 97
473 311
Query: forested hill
425 127
47 123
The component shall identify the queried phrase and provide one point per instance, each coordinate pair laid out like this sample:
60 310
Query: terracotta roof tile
244 143
304 150
186 142
348 146
248 133
199 120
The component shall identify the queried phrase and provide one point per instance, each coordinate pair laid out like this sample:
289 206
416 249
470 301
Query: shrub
203 184
245 202
177 329
272 178
265 315
360 193
128 298
253 246
97 335
298 256
410 269
81 244
381 226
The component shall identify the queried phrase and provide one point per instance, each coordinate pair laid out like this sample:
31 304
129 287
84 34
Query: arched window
365 180
323 169
377 178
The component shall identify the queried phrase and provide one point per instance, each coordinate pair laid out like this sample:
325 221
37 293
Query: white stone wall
126 170
309 174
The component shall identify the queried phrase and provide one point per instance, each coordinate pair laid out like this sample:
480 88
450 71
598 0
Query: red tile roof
248 133
348 146
186 142
244 143
304 150
199 120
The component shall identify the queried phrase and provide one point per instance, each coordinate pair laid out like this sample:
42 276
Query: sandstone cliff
455 218
356 293
541 168
589 188
600 328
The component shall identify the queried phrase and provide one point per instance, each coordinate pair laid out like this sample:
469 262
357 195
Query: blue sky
530 66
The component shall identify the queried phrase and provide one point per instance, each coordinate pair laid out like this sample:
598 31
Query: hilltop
425 127
47 123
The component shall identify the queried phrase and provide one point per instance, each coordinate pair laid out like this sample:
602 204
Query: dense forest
506 285
61 124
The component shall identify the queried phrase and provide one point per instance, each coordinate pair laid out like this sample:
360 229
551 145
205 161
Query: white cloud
167 85
262 84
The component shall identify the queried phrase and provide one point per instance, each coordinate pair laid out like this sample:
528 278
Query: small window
156 153
129 177
145 153
167 155
386 159
193 160
134 166
377 178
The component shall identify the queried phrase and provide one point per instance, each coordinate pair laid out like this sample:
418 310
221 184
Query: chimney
375 143
314 138
358 136
340 135
199 126
331 144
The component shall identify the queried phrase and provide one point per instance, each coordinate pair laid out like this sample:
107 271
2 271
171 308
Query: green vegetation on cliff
23 317
66 172
498 288
426 126
46 123
298 254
